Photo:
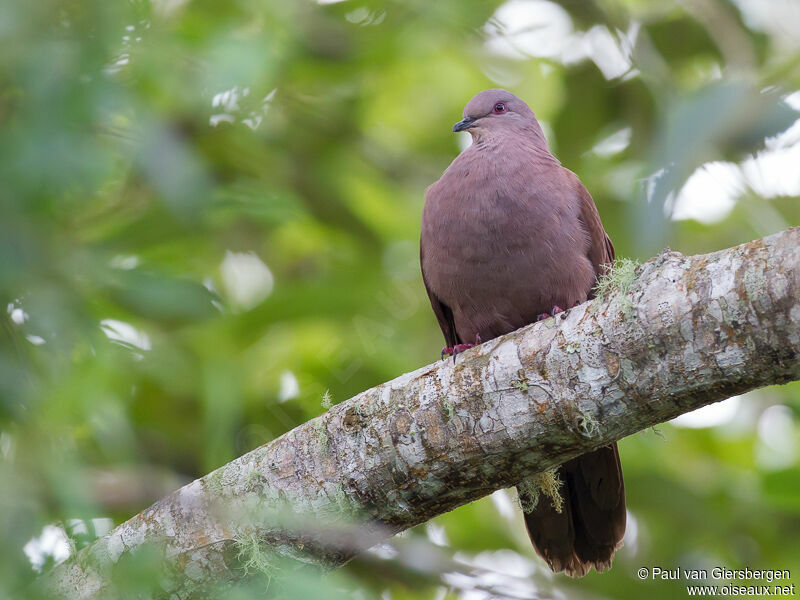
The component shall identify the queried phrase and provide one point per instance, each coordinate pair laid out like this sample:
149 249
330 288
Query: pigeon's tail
576 518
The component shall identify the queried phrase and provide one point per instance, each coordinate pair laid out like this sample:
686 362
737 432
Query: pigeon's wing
443 313
601 250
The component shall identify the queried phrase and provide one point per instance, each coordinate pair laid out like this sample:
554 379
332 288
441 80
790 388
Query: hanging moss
618 279
587 425
531 489
257 557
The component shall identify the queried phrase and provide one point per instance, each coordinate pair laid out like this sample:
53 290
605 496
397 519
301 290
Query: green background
210 218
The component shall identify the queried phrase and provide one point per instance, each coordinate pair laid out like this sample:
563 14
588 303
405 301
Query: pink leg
454 350
553 313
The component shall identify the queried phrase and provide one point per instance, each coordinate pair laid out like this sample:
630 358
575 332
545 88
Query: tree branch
673 335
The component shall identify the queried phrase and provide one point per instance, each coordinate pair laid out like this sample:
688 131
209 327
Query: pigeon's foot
553 313
455 350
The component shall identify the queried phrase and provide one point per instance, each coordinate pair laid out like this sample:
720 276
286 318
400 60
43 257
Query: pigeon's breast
503 246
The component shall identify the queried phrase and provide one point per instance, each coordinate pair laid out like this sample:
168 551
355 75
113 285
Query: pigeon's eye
499 108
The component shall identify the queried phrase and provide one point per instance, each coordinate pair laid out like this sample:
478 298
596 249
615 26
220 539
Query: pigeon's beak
464 124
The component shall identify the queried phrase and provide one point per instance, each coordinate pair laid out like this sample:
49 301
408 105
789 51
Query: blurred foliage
209 222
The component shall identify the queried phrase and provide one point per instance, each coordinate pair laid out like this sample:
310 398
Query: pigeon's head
496 111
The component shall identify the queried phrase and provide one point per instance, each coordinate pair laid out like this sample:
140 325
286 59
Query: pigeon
510 236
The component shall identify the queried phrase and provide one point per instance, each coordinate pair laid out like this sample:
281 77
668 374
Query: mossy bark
689 331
